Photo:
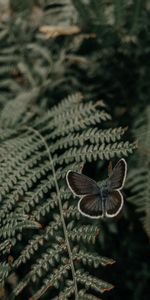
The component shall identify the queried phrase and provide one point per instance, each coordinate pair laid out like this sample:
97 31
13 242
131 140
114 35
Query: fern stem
61 210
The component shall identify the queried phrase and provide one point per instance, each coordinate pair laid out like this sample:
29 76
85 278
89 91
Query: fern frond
53 280
92 135
86 296
86 233
4 272
29 250
43 55
33 169
95 152
16 223
91 259
47 261
139 179
92 282
76 124
5 246
67 292
138 182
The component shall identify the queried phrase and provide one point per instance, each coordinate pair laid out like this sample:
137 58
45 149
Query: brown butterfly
98 202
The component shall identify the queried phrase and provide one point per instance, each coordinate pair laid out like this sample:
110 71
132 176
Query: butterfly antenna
110 168
81 168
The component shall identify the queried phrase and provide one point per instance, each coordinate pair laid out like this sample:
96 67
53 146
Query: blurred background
52 48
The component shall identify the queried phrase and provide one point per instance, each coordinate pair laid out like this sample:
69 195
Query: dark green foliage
49 50
139 179
34 163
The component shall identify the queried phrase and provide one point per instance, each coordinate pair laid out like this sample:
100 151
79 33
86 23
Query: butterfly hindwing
117 179
113 204
97 202
81 184
91 206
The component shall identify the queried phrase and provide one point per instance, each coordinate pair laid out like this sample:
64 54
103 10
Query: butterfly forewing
81 184
113 204
98 202
91 206
117 179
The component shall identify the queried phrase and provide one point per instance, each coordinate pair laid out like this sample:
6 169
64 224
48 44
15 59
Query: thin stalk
61 210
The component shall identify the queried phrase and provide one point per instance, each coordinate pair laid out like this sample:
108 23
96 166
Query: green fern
35 199
30 72
139 179
42 66
94 14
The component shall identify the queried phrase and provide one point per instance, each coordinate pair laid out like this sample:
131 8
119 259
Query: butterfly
98 202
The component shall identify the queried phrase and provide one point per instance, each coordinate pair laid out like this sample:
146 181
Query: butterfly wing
91 206
81 184
117 179
113 204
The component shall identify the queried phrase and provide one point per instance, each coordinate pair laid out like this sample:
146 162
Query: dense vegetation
74 82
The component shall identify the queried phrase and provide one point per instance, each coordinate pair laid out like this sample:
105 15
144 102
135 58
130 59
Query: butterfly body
103 195
98 202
